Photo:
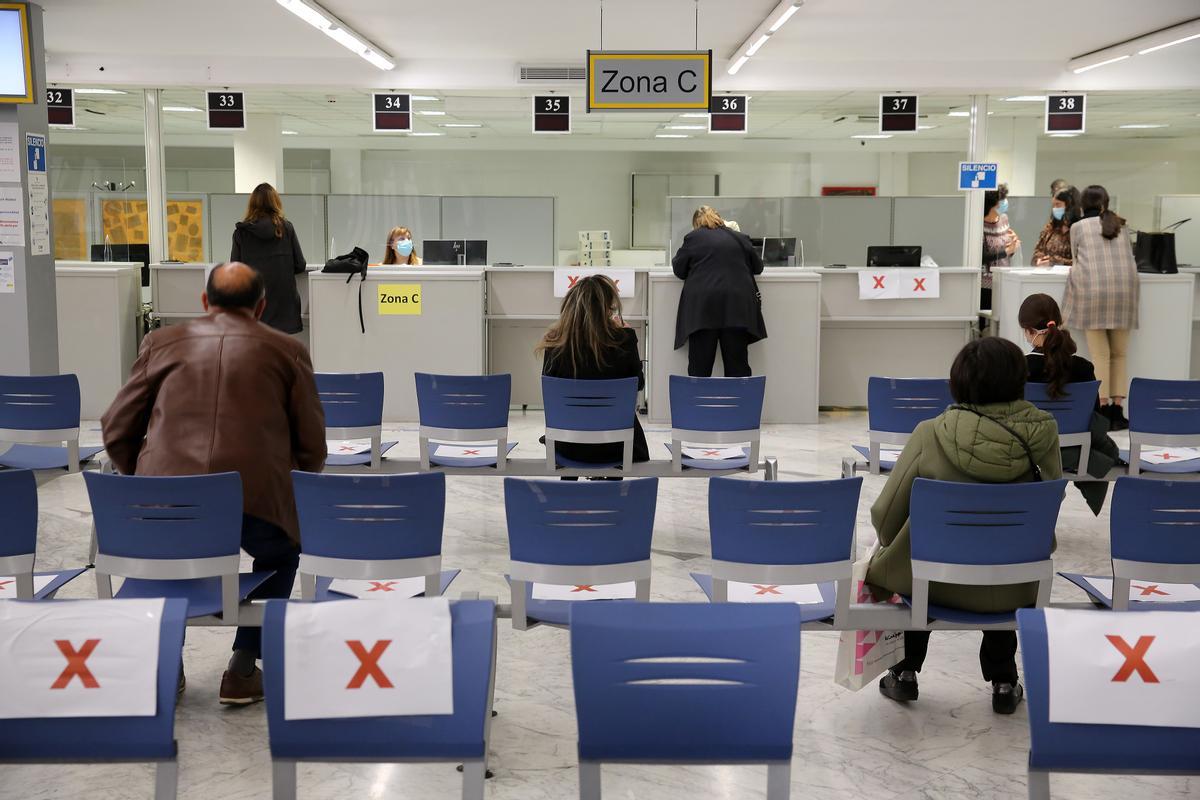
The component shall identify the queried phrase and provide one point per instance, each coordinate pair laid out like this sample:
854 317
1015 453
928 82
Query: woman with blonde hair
719 304
400 248
267 241
591 341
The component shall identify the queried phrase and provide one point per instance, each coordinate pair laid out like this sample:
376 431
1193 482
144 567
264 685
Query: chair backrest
897 405
782 522
589 405
1073 411
717 404
1164 407
1155 521
580 523
1103 748
463 402
189 517
684 681
986 524
371 517
39 403
429 738
352 399
18 498
89 739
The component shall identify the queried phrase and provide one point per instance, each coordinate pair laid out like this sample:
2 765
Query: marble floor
848 744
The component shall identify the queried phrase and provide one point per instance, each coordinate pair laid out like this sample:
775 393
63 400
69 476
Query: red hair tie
1050 324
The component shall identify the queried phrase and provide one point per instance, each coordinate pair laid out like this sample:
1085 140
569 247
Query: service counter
1161 347
904 338
99 327
175 291
1195 367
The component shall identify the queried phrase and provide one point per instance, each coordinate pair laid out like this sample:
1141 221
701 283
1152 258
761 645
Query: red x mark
6 583
1135 659
572 280
470 452
712 452
918 284
878 281
382 586
583 588
1151 589
771 589
368 664
76 664
1167 456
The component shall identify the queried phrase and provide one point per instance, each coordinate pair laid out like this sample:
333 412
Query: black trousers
271 549
702 352
997 654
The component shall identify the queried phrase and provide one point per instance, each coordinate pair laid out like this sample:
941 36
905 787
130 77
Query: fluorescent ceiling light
779 23
754 48
182 109
701 114
1106 62
775 20
99 91
1063 135
426 133
1141 126
685 127
462 125
432 113
307 13
379 60
671 136
424 97
871 136
1026 98
737 65
347 40
1168 44
959 114
335 29
291 133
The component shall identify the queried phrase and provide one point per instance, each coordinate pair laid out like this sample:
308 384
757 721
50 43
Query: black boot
1116 417
899 686
1006 697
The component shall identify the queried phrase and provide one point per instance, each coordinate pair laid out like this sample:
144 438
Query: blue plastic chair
464 408
370 527
576 533
1073 414
895 406
36 415
1155 536
784 533
172 537
716 411
462 736
18 539
589 412
353 404
677 683
1097 749
97 740
980 534
1163 414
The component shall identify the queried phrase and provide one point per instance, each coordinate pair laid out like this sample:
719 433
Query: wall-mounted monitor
16 72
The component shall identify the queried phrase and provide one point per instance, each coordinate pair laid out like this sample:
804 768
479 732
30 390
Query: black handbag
1155 251
749 263
351 264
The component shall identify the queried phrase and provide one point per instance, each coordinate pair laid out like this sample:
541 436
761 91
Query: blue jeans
271 549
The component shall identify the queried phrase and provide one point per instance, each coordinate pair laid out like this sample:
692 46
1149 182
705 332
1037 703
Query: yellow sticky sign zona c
400 298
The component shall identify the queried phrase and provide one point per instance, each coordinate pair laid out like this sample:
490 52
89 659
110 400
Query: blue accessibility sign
35 147
972 175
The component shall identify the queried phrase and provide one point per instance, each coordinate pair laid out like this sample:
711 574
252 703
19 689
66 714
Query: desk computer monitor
776 251
446 252
894 255
134 253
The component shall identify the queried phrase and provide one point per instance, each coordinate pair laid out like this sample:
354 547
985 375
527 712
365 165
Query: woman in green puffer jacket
987 378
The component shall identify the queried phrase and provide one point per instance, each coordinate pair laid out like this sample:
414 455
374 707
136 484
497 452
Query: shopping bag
1154 251
864 655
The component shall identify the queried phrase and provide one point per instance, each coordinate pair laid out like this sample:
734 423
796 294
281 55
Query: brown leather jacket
222 393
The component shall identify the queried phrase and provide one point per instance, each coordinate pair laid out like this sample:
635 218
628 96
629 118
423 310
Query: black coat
717 267
622 362
279 260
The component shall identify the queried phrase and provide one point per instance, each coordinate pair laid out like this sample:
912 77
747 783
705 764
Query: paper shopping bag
864 655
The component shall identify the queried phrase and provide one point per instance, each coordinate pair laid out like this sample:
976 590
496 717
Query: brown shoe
241 690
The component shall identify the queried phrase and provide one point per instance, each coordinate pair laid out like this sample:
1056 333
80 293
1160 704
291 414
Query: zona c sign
649 81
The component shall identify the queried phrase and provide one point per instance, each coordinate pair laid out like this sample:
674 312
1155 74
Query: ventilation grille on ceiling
551 74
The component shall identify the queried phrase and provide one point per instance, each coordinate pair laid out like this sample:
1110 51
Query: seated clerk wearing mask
400 249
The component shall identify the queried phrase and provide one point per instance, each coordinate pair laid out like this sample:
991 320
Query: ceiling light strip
312 13
765 30
1139 45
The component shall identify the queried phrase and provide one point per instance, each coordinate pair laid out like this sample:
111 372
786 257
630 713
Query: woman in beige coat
1102 296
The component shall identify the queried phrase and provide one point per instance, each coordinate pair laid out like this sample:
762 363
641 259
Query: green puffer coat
960 446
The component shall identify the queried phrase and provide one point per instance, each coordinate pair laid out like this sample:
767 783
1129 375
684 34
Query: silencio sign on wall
649 80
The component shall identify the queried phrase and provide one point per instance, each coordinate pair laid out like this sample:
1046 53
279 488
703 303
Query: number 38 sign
1065 113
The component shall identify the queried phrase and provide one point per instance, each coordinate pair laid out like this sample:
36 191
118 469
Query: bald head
235 285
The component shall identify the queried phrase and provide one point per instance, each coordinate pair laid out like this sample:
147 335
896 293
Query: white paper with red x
465 451
1149 591
919 284
564 279
878 284
401 589
598 591
8 585
84 658
1124 669
714 453
368 659
348 447
1169 455
802 593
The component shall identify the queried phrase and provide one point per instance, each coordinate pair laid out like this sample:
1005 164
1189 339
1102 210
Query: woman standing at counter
400 248
1054 244
1102 296
267 241
720 303
999 239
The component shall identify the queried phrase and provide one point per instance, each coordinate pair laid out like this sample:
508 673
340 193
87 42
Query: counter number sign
898 113
1065 113
727 114
60 107
551 114
227 111
393 113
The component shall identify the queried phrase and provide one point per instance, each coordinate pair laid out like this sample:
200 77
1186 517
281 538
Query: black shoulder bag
351 264
1033 465
749 260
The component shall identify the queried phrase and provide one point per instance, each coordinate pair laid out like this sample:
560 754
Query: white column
973 217
1022 180
156 181
345 171
258 153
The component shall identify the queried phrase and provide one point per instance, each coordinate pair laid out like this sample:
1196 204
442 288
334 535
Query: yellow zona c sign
400 298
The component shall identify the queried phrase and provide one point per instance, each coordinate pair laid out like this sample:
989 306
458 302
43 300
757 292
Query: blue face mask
1058 213
403 247
1002 207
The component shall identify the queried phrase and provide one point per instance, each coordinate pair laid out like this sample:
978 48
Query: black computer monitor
446 252
894 255
132 253
779 251
477 253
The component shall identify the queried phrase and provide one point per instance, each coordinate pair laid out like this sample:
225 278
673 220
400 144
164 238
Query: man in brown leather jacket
224 393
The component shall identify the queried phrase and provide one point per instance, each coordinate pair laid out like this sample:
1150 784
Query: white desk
1195 367
175 290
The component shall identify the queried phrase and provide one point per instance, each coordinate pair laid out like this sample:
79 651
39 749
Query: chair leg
93 548
423 443
771 473
283 780
1039 784
308 586
589 780
473 777
377 451
433 585
720 590
520 618
166 780
103 585
641 589
73 455
779 780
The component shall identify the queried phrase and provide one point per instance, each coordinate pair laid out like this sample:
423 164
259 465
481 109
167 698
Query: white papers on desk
595 591
888 456
802 593
900 283
714 453
1169 455
1150 592
469 451
401 589
8 585
348 447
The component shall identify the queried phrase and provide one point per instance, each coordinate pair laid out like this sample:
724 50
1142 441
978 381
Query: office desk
99 328
895 338
1161 347
175 291
446 337
788 356
1195 366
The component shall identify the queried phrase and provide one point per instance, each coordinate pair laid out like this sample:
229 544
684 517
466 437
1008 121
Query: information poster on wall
8 273
10 166
12 217
39 194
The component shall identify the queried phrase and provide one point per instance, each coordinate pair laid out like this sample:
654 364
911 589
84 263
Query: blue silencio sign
977 175
35 146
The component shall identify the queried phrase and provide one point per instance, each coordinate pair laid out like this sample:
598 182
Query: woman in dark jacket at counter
719 304
267 241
